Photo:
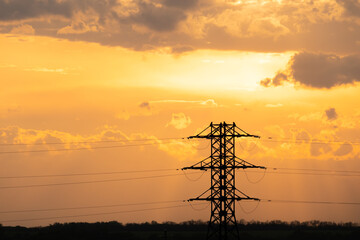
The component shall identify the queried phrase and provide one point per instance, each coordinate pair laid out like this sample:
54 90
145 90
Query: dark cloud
145 105
352 7
344 149
325 71
181 49
51 139
184 4
303 136
278 80
20 9
158 18
318 71
331 114
319 149
196 24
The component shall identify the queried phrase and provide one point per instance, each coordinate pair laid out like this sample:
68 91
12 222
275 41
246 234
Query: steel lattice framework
222 193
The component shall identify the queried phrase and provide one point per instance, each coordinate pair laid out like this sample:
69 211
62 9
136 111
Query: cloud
275 130
158 18
80 24
8 66
52 140
352 7
144 105
24 29
344 149
179 149
181 49
47 70
315 116
318 71
179 121
273 105
331 114
302 135
15 10
183 4
185 25
29 139
314 145
124 115
208 102
278 80
18 135
319 149
19 9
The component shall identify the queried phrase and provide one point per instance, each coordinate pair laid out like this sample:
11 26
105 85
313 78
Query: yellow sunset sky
150 72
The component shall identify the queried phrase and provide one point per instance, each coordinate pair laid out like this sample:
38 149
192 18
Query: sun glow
225 70
202 69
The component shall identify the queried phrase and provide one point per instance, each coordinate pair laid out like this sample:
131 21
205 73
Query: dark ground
181 231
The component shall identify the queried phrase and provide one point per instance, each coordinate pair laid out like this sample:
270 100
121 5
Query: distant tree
189 230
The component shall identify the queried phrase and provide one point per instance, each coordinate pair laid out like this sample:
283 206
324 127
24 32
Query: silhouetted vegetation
177 231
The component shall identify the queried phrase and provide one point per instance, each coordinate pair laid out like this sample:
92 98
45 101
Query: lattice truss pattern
222 193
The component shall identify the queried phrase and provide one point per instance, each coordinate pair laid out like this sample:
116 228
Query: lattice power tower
222 194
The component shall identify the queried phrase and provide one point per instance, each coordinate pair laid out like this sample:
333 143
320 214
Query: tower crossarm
215 133
210 136
241 163
221 199
242 133
201 197
242 196
238 196
202 165
206 164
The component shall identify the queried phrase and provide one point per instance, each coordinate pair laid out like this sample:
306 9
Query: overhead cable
92 181
87 207
96 214
89 142
82 148
87 174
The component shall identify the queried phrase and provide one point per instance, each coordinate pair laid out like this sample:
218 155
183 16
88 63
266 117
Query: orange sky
80 71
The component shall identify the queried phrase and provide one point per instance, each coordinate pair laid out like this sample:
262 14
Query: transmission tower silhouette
222 193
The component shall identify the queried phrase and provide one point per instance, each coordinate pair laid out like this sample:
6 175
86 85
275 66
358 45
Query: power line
317 170
82 148
300 141
309 173
94 181
268 139
168 141
88 142
162 202
333 173
86 174
144 144
173 169
167 207
96 214
309 202
88 207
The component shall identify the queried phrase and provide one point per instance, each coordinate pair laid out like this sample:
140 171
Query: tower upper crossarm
202 165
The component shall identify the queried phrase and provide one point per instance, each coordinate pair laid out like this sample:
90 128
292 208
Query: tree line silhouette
187 230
